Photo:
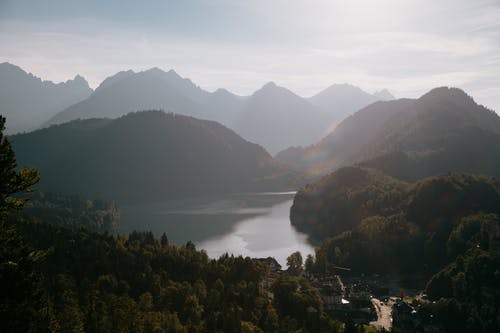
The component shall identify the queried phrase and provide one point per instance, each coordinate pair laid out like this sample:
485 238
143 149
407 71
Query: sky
406 46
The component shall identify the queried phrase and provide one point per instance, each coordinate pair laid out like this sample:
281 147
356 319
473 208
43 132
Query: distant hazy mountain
276 118
27 101
273 116
383 95
342 100
444 130
148 155
128 91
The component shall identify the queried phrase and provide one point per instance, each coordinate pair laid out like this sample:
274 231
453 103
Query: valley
389 221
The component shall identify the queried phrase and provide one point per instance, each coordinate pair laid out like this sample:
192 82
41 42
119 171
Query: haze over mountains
148 155
442 131
372 221
346 99
273 116
27 101
276 118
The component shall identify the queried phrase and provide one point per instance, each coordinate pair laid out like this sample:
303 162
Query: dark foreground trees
444 229
103 283
21 306
12 180
59 276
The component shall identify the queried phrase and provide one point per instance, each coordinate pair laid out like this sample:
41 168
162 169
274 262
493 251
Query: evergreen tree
21 297
164 239
294 263
12 181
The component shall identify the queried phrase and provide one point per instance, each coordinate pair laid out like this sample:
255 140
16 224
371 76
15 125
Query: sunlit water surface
248 224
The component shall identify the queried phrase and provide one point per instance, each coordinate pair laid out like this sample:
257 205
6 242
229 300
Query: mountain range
27 101
146 156
346 99
442 131
273 116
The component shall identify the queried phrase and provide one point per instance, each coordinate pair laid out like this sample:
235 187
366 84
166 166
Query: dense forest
209 167
374 223
62 269
466 293
59 276
470 149
56 279
443 229
73 211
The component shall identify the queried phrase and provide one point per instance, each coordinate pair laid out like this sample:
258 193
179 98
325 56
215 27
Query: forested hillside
148 156
56 276
79 281
442 131
442 229
73 211
373 223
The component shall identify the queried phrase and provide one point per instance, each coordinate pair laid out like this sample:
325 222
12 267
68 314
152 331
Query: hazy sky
407 46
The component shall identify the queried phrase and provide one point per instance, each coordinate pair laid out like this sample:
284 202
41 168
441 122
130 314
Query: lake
248 224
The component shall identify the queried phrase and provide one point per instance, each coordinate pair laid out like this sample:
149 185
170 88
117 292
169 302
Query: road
384 315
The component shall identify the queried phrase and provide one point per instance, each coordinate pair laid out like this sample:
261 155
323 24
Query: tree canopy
13 181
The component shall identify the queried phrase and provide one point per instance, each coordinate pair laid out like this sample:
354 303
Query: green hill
374 223
147 156
442 131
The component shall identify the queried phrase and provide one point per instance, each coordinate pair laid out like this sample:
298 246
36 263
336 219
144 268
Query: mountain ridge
27 100
149 155
157 89
436 121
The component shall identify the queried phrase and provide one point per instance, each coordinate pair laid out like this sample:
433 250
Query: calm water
250 224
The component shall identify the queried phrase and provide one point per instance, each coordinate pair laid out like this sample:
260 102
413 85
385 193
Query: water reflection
266 235
249 224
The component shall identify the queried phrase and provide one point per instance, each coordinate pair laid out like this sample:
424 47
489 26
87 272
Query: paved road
384 315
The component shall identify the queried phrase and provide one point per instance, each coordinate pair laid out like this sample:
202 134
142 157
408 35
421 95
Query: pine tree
21 298
12 181
164 239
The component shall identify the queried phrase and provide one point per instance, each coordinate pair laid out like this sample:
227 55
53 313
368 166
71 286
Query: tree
68 314
294 295
13 182
294 263
309 264
22 298
164 239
